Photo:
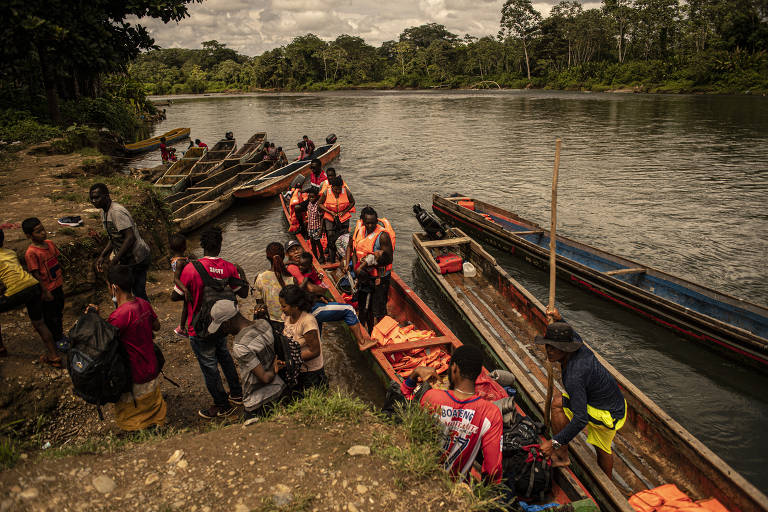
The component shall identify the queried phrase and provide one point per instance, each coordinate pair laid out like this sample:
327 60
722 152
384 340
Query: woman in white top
268 285
301 326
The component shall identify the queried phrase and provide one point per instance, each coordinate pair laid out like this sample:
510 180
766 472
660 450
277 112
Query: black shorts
379 297
31 297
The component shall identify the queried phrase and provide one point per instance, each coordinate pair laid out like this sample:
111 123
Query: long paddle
552 275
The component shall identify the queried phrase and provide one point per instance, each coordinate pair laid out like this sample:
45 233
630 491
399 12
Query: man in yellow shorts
591 398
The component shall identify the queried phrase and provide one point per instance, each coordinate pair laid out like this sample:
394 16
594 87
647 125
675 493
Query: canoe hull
273 187
729 340
154 143
651 449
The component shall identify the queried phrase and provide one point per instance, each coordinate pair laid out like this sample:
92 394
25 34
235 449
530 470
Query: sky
252 27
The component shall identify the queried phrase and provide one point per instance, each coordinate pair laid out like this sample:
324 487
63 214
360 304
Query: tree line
651 45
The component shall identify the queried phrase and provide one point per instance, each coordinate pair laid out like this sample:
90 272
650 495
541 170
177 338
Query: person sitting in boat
470 423
309 143
172 155
201 144
303 153
337 204
293 251
164 155
372 252
229 136
591 398
330 172
297 208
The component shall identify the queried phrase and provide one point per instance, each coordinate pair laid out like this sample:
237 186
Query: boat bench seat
623 271
447 242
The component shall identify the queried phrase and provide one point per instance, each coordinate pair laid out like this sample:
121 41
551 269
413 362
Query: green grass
320 404
89 151
67 231
75 197
9 452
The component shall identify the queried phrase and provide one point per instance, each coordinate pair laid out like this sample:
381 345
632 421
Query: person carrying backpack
208 280
254 351
143 406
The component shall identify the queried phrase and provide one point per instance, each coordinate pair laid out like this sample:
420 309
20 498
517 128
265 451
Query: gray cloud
252 27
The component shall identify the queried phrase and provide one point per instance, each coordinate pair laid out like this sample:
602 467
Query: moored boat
278 180
153 143
177 173
406 307
247 151
734 327
650 450
212 196
210 162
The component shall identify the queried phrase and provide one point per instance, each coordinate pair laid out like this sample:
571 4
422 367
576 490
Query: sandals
53 362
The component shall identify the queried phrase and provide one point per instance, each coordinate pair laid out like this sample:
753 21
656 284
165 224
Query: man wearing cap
254 351
591 398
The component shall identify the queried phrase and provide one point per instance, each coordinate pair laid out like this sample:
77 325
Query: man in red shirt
470 423
212 352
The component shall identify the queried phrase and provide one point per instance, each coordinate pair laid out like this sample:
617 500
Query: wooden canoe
650 450
174 177
211 161
213 196
246 152
732 326
153 143
278 180
404 305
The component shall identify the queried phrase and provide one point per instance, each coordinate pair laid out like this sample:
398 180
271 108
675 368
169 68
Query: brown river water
679 183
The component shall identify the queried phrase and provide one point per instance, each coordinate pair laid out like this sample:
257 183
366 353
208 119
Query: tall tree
567 11
622 13
519 19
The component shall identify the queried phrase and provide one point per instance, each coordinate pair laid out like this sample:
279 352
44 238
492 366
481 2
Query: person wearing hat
254 352
591 398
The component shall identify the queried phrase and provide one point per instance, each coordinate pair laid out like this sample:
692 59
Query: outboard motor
429 223
331 139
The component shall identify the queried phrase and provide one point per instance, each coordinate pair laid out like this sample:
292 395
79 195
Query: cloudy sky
251 27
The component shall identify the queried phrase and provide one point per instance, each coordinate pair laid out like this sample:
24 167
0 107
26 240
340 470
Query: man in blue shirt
591 398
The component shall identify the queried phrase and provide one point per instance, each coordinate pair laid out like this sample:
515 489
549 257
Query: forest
645 45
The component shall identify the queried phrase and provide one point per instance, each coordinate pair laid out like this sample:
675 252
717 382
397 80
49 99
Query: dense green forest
647 45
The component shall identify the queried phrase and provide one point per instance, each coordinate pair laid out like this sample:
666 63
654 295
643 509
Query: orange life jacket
327 186
363 244
668 498
336 205
297 196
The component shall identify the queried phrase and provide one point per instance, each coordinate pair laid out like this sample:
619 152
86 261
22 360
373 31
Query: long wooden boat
651 449
173 178
247 151
219 174
209 163
213 196
278 180
732 326
405 306
153 143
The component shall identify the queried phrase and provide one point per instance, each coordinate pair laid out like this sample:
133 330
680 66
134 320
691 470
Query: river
675 182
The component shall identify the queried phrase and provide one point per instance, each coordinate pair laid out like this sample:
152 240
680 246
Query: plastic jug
469 269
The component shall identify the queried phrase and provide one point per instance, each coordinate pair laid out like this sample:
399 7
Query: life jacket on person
297 196
363 244
336 205
326 187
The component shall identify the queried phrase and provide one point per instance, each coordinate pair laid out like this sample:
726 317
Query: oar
552 275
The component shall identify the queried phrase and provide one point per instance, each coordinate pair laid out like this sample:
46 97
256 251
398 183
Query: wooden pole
552 276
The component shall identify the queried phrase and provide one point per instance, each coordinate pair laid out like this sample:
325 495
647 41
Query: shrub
76 137
114 113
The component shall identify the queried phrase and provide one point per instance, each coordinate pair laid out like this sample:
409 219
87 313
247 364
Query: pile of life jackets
389 332
668 498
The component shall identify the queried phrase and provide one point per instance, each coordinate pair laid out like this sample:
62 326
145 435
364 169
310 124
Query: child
18 288
308 272
315 224
43 263
179 259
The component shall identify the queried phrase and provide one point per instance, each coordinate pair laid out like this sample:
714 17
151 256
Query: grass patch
67 231
75 197
320 404
9 452
89 151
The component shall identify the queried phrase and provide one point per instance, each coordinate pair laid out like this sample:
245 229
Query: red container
449 263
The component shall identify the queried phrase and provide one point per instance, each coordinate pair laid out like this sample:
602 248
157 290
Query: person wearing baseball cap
591 398
254 351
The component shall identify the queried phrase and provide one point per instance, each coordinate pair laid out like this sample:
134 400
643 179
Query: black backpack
98 364
288 351
525 469
213 290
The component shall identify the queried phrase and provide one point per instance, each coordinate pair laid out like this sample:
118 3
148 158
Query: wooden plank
457 198
202 202
622 271
447 242
532 232
199 188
